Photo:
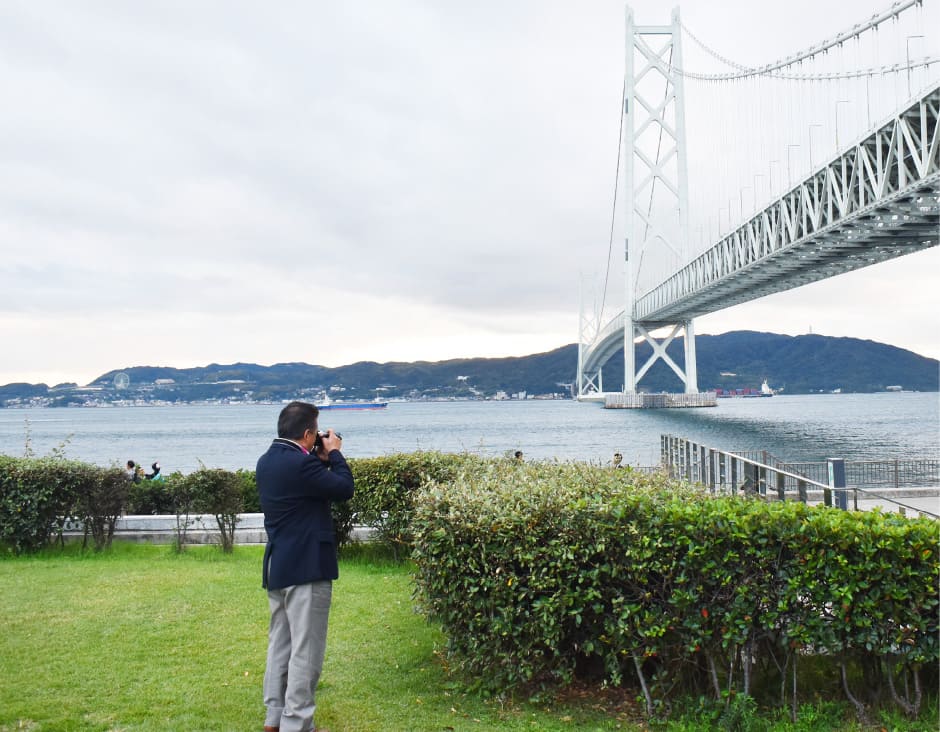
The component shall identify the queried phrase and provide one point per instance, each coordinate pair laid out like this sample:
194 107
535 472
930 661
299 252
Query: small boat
329 404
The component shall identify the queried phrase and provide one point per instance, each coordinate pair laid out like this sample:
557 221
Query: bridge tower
655 194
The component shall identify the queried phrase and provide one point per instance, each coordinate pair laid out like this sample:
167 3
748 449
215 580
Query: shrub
101 499
150 497
37 497
386 488
183 495
250 498
218 492
541 573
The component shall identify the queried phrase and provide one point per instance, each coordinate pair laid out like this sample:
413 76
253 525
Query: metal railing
759 473
878 473
865 474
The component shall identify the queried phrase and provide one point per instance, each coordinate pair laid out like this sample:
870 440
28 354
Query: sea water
795 428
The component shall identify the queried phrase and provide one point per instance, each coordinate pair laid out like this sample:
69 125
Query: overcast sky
183 183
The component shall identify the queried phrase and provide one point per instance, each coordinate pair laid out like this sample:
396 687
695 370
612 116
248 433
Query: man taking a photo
298 477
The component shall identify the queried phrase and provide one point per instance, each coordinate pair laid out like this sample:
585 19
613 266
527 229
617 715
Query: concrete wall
202 529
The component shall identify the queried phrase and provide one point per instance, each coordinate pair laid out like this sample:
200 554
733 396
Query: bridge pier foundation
660 401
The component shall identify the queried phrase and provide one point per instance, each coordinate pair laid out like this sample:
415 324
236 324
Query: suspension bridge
867 191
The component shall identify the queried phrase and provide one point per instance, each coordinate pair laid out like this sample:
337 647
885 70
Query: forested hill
802 364
796 364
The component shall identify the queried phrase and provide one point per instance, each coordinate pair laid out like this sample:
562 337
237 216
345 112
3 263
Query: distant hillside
544 373
797 364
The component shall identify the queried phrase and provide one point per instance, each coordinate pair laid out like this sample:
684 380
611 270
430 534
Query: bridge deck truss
876 201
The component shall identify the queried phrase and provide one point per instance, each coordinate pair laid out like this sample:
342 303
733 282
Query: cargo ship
745 393
329 404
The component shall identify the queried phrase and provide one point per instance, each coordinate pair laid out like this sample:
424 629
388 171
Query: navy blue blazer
296 490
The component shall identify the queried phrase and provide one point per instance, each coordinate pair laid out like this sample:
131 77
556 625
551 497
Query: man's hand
329 442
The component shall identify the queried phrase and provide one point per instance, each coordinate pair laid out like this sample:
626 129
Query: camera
321 434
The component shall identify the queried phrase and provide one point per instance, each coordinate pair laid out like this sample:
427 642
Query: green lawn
143 639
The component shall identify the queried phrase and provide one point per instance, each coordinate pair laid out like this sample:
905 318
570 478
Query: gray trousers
296 644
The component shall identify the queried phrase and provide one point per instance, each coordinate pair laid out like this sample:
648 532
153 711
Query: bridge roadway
878 200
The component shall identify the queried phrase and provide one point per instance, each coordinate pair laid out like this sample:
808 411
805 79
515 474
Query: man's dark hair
295 419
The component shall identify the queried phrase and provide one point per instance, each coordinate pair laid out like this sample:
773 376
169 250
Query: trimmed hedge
156 496
41 495
543 573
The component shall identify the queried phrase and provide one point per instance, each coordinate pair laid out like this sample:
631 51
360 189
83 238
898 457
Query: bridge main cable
766 70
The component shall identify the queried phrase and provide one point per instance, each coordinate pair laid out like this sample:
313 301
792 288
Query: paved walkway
910 501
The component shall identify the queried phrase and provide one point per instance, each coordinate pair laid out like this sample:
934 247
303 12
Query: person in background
155 475
132 471
618 459
298 477
518 455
